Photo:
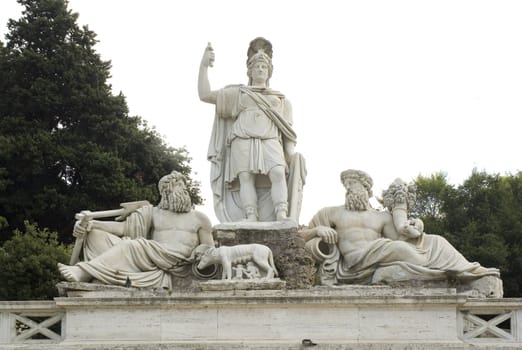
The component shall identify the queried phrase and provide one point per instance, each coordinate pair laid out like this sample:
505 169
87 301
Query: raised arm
397 198
204 91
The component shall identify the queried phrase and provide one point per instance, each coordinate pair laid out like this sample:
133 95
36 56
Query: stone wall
356 317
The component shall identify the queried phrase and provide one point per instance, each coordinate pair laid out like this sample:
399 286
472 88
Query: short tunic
255 144
255 141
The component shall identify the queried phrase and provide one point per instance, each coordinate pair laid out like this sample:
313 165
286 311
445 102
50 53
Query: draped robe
144 262
359 265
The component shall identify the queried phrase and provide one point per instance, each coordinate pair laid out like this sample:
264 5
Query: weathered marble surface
340 317
256 284
257 257
294 264
327 315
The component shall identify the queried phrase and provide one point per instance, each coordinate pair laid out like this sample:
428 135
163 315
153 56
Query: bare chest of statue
175 229
358 227
368 219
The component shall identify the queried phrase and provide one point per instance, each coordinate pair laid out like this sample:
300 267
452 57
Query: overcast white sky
395 88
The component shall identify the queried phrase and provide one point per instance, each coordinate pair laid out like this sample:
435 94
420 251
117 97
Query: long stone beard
357 201
178 201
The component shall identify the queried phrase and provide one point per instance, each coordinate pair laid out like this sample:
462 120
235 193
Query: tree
28 263
481 218
66 142
493 223
433 198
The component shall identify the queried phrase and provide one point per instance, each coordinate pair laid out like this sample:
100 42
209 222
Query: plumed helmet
260 50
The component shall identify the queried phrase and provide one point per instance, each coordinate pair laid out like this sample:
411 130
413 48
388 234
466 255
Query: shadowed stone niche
294 264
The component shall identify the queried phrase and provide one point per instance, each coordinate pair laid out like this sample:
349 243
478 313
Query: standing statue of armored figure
256 174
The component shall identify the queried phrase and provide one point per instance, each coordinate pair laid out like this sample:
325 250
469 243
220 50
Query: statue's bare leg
248 195
279 191
73 273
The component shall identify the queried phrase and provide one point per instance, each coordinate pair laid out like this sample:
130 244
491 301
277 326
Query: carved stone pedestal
294 263
255 284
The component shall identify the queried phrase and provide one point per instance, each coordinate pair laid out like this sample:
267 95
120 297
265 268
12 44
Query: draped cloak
241 142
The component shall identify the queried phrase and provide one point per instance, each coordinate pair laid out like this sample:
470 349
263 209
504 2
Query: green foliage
66 142
3 222
433 194
28 261
481 218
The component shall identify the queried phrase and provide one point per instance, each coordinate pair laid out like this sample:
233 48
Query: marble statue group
258 178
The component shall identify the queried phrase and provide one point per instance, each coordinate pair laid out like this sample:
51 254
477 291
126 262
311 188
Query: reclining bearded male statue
150 246
370 246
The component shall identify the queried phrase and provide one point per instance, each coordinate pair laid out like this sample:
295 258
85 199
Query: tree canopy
29 264
67 143
481 218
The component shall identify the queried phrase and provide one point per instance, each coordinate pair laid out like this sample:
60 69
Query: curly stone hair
360 176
